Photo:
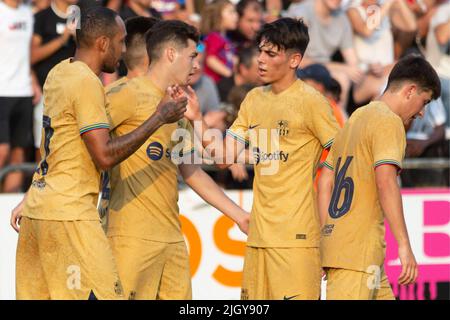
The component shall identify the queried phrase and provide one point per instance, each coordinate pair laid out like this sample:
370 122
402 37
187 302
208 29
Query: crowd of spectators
353 46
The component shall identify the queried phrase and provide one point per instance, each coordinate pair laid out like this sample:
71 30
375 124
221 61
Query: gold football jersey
286 133
144 187
353 237
66 183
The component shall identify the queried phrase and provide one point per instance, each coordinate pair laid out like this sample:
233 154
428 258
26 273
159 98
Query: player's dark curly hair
285 34
169 31
414 68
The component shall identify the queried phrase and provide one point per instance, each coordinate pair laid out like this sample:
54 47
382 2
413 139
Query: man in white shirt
16 89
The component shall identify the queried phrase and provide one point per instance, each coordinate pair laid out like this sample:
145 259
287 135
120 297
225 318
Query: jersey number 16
341 183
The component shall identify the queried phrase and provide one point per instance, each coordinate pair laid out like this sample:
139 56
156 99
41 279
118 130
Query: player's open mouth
262 71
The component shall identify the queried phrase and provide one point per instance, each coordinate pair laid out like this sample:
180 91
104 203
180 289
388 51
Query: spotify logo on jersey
155 151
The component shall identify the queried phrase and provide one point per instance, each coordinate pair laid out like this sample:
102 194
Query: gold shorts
281 273
345 284
65 260
152 270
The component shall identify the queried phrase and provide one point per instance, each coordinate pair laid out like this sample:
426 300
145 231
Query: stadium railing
417 163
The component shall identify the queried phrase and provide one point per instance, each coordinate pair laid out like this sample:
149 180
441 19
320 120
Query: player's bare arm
107 152
324 191
391 203
224 154
209 191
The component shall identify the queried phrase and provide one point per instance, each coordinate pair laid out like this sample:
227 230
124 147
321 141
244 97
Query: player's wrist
63 40
240 215
159 119
198 117
404 245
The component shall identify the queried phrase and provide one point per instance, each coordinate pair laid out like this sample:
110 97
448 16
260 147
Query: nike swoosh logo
252 127
290 298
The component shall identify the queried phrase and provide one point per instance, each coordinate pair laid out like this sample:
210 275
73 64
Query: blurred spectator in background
373 42
318 77
52 42
329 31
427 131
174 9
438 50
134 8
334 92
16 87
423 11
39 5
246 72
208 97
250 20
87 4
112 4
218 17
404 27
274 9
426 139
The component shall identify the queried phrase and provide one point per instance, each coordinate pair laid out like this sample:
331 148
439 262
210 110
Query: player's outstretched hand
193 107
244 222
409 266
16 215
172 107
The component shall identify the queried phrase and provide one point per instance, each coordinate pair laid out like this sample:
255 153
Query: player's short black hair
414 68
169 31
246 55
244 4
94 23
136 27
286 34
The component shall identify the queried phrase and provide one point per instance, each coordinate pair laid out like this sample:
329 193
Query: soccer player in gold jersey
62 251
358 188
137 62
144 227
286 125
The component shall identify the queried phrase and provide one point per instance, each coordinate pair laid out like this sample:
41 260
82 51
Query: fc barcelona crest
282 128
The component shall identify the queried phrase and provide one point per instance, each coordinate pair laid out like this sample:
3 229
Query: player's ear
171 54
294 60
410 90
103 43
